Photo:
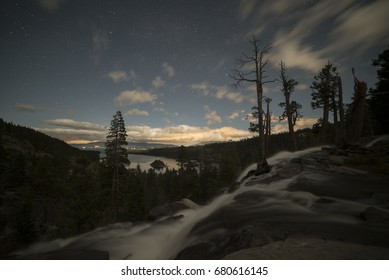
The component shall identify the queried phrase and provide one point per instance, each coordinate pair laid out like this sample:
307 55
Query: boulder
172 208
311 248
375 215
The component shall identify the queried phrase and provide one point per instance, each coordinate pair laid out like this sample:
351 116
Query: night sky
67 66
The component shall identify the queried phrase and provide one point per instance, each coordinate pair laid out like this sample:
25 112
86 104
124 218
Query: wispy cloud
307 122
168 69
130 97
235 114
222 92
158 82
211 116
76 124
49 5
31 108
343 26
136 112
74 132
100 43
119 76
184 134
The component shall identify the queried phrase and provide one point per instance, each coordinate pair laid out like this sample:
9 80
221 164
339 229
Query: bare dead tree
251 69
358 111
288 86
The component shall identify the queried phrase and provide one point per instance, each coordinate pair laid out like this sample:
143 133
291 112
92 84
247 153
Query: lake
145 161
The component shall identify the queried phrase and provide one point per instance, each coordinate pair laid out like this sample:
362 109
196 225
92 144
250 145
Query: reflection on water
145 161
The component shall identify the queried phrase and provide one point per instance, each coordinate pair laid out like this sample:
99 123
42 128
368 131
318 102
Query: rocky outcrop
311 248
170 209
307 207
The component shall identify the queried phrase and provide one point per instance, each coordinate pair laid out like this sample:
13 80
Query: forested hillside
47 188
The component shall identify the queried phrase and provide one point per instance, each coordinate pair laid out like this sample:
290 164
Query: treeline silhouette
49 189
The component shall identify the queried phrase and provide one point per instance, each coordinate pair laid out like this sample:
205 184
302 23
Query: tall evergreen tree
116 156
324 93
379 101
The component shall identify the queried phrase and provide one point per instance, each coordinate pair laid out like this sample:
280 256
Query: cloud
72 131
119 76
203 87
184 134
168 69
74 136
76 124
49 5
222 92
211 116
235 114
361 27
136 112
100 43
130 97
344 27
158 82
179 135
302 86
302 123
31 108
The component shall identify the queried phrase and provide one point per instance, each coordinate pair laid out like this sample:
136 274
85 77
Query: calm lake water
145 161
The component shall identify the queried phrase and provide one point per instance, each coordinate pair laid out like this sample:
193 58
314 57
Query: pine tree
379 101
324 93
116 156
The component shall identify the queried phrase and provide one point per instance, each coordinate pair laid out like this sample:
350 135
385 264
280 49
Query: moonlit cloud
179 135
349 25
30 108
302 86
76 124
100 43
235 114
158 82
308 122
168 69
136 112
361 27
120 76
211 116
184 134
49 5
222 92
130 97
74 136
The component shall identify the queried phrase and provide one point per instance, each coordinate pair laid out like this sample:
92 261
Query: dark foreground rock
308 207
68 255
311 248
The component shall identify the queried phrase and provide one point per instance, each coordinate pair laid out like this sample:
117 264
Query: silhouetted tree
324 91
291 108
116 157
256 62
379 100
358 110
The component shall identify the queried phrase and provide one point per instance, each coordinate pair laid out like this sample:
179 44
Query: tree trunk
341 136
358 111
292 135
262 163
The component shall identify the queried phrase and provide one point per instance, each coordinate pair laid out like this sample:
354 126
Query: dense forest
49 189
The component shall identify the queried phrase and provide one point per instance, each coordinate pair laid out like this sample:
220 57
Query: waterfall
165 238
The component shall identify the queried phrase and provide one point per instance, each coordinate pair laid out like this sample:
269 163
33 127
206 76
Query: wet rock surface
338 211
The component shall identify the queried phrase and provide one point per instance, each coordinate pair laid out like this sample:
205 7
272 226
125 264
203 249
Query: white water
164 239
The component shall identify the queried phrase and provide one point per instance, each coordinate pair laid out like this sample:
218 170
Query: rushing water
164 239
